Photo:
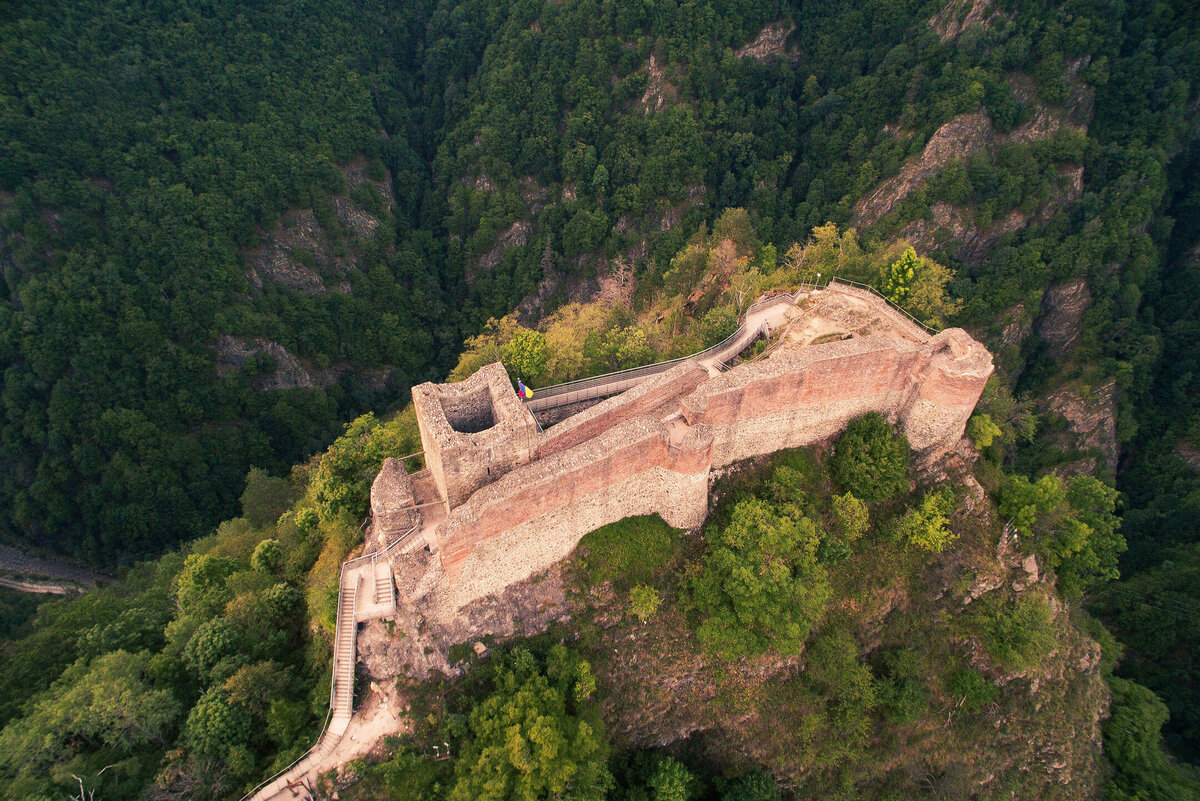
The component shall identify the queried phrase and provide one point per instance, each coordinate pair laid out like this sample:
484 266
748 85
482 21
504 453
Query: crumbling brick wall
803 397
462 452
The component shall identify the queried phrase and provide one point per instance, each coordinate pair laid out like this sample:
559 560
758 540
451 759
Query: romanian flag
523 391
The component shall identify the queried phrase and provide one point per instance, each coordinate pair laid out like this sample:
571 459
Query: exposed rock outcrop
771 41
294 254
515 236
1092 425
958 15
1063 308
964 136
298 253
286 371
957 139
660 92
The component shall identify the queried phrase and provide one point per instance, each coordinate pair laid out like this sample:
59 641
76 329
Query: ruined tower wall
536 516
473 432
797 399
945 397
392 502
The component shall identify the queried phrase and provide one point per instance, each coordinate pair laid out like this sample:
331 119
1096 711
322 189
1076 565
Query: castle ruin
501 499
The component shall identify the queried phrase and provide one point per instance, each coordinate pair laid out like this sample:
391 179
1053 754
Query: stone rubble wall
800 398
392 502
462 462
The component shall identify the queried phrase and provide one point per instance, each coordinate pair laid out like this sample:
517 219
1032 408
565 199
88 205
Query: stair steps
383 587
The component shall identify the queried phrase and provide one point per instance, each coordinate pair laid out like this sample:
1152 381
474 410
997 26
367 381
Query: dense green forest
150 154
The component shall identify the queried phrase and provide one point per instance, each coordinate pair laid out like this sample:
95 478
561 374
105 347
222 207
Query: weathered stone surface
1091 415
286 370
515 236
957 139
473 432
392 502
958 15
771 41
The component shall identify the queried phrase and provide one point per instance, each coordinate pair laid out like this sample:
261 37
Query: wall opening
470 413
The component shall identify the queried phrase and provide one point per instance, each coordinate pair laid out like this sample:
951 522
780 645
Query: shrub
1020 634
214 726
717 324
927 526
630 551
1072 526
982 430
201 588
871 459
529 739
754 785
644 602
525 354
265 498
851 516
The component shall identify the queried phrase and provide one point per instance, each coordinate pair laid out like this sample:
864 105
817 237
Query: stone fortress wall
518 499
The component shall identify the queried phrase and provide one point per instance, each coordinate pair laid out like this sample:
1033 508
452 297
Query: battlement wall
804 397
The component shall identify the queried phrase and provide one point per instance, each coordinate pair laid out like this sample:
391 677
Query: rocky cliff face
969 134
303 254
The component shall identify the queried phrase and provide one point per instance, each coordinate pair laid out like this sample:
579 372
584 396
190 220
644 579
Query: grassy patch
632 551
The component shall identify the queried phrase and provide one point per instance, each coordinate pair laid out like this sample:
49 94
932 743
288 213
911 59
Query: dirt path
25 573
39 587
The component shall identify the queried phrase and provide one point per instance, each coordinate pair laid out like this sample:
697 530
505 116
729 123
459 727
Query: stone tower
473 432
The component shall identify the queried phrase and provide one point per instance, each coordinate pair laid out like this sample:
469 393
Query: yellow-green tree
928 526
532 737
524 355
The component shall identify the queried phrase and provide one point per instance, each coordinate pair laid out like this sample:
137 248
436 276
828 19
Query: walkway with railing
759 320
366 591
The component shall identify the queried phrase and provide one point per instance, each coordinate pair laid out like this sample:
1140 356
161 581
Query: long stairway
343 656
293 784
366 591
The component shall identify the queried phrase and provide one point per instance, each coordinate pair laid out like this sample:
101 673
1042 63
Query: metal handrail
834 279
611 383
632 373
